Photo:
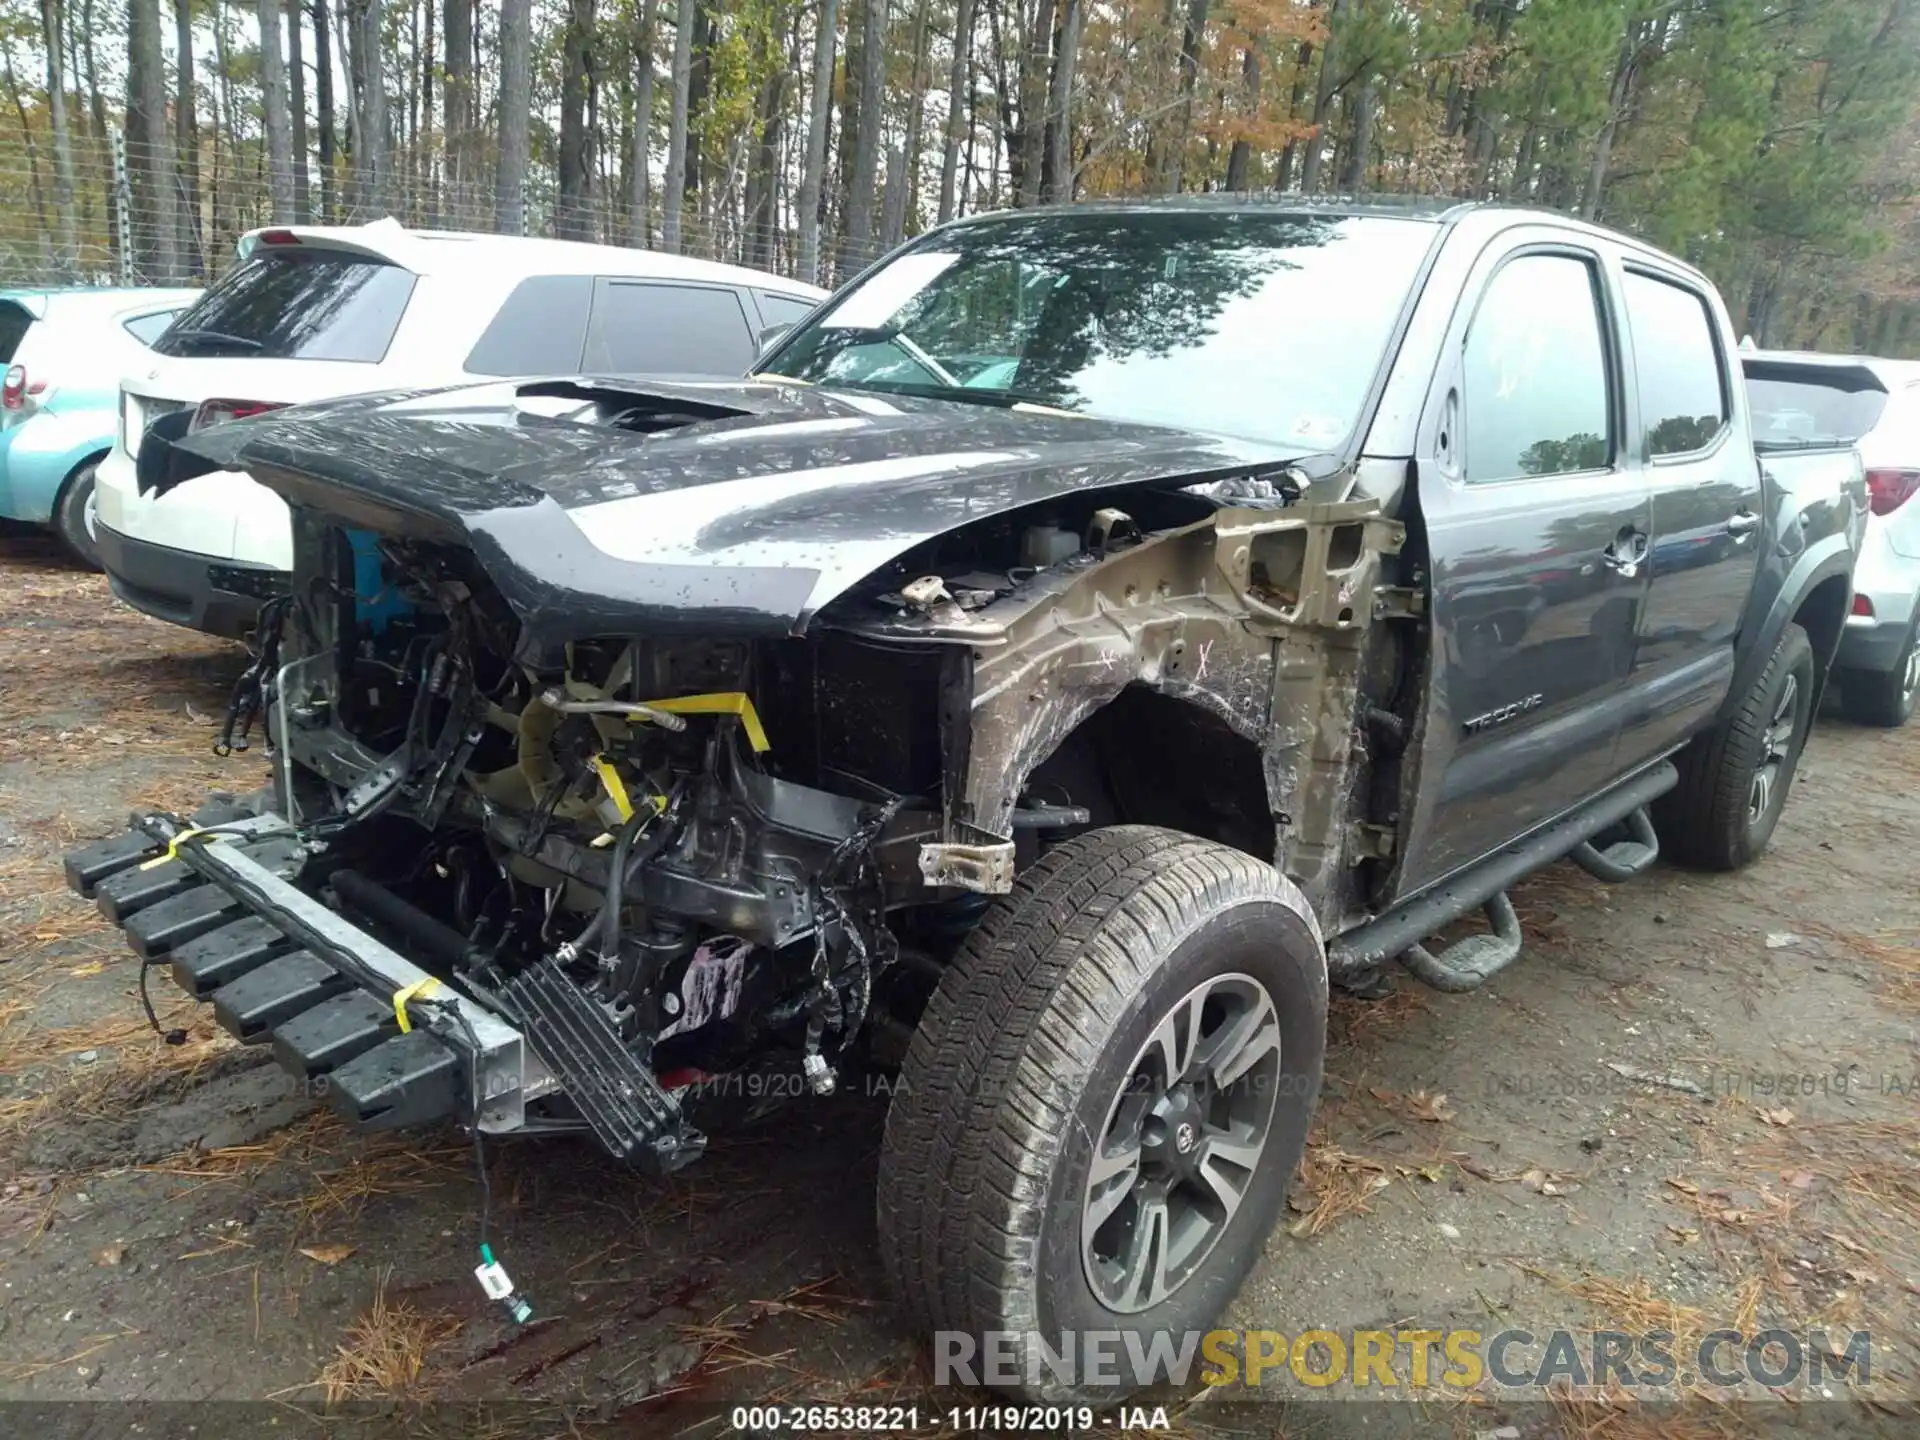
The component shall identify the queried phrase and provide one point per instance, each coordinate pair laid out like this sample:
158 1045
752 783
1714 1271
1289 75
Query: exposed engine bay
656 847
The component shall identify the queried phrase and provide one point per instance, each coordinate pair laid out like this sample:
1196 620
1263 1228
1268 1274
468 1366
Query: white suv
1800 397
318 312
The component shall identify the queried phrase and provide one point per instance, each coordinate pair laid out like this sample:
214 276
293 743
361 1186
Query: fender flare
1824 560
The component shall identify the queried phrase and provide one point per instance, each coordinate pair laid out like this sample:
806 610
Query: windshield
1801 404
1265 327
291 304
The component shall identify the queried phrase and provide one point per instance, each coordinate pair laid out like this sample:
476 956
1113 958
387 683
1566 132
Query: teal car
65 353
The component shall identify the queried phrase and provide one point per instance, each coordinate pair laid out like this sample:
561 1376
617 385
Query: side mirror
771 334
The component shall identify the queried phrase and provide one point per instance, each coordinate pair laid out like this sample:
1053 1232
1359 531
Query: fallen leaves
1415 1105
1545 1182
328 1254
1334 1183
1781 1116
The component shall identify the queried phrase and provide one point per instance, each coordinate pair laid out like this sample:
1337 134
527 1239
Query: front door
1538 538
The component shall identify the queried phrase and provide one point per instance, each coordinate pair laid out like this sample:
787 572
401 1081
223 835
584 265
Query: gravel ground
1692 1104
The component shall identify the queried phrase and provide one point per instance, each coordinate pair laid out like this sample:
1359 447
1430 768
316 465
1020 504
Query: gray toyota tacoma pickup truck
1082 640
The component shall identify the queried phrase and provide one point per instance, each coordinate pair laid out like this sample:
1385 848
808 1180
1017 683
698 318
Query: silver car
1816 397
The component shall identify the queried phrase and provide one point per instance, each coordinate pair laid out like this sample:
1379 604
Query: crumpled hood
742 506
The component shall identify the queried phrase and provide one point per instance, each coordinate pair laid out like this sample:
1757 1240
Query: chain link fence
131 223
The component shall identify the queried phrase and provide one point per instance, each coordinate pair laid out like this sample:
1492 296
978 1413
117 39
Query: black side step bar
1364 950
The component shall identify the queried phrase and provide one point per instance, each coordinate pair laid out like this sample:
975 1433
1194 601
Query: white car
1811 397
320 312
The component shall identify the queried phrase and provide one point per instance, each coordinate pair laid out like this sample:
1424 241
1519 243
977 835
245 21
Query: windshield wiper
966 394
201 334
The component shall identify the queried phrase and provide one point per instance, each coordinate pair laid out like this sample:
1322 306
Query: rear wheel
1104 1103
1734 779
1885 697
73 519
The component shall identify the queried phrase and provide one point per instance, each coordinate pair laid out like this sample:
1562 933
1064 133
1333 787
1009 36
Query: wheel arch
1185 761
90 457
1815 594
1822 613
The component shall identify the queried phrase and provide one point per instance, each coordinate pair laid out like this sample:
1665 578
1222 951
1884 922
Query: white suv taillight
219 412
1888 490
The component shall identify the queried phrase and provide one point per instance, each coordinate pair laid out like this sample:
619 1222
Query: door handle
1626 554
1742 524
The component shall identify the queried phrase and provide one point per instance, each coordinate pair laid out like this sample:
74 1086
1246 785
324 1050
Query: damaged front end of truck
624 736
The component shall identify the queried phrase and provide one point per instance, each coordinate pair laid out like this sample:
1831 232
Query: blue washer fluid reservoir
375 602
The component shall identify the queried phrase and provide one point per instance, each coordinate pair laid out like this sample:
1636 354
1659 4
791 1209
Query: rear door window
643 327
1683 402
292 304
540 330
15 321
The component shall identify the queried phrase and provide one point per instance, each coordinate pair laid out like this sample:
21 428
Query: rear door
1707 509
1537 529
659 327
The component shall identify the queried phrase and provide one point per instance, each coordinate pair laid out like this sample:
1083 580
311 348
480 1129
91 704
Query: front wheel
1734 779
1103 1106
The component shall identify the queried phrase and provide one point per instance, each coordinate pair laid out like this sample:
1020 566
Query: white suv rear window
293 304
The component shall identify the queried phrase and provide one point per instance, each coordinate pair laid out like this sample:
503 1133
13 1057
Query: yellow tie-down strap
726 702
173 845
617 792
419 990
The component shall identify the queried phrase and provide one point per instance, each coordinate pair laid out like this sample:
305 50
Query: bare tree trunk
457 92
1322 103
959 82
430 178
186 139
856 230
323 108
150 147
351 55
1190 41
1617 96
813 169
763 160
699 84
516 117
33 150
278 123
1059 172
676 196
1240 157
297 84
576 164
1353 169
370 158
66 241
903 157
1035 52
641 199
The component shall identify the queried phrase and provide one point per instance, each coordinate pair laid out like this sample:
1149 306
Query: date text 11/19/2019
994 1419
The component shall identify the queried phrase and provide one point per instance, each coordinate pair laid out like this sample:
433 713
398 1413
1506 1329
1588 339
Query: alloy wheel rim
1777 745
1182 1143
1910 677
